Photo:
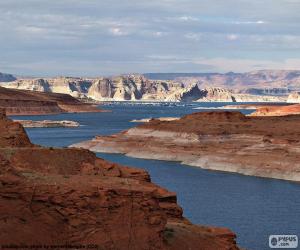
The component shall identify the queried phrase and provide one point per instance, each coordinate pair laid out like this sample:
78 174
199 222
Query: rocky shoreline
224 141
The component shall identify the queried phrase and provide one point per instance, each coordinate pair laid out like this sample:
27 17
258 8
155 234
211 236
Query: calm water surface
252 207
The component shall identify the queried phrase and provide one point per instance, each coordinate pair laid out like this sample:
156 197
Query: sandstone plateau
68 197
24 102
262 86
225 141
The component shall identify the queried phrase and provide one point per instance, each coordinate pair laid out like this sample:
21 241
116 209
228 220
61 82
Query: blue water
252 207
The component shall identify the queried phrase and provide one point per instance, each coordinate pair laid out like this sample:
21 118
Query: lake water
252 207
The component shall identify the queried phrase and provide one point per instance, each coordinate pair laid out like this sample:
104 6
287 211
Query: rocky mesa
64 198
225 141
24 102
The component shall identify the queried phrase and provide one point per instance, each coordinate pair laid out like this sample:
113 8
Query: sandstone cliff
76 87
294 97
134 87
64 198
138 88
223 95
21 102
226 141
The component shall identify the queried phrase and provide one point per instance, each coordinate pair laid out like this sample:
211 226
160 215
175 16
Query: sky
106 37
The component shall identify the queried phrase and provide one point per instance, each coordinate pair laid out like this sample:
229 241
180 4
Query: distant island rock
48 124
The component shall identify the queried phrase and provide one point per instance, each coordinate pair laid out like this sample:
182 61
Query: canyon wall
62 198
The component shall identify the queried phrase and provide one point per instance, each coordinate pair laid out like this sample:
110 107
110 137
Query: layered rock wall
226 141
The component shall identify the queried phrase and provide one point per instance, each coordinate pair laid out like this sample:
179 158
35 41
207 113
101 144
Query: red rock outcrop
23 102
226 141
277 110
63 198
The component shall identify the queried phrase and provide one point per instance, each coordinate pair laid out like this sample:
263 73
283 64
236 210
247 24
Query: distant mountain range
264 85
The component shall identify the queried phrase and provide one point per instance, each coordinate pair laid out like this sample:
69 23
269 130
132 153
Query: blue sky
101 37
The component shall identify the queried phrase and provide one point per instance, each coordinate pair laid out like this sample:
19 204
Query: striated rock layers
22 102
139 88
73 86
130 87
226 141
64 198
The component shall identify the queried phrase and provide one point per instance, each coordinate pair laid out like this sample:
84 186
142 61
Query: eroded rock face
208 88
133 87
68 196
75 87
226 141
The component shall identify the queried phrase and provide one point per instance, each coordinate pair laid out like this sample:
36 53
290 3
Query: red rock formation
22 102
277 110
226 141
55 197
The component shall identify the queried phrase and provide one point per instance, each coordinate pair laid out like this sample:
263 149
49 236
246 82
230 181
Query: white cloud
250 22
77 30
188 18
117 31
193 36
232 37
